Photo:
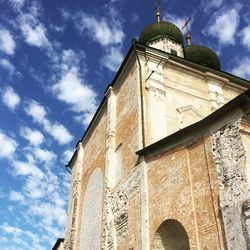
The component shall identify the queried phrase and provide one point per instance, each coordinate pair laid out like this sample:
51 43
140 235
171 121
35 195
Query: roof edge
105 97
238 80
58 242
102 101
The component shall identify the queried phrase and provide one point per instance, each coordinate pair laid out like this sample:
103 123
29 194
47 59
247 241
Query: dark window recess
173 52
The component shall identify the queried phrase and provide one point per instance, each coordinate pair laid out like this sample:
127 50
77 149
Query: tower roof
160 29
202 55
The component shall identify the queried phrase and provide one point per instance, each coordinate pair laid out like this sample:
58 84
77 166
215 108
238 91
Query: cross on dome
158 13
188 36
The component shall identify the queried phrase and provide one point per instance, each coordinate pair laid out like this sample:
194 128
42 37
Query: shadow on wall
171 235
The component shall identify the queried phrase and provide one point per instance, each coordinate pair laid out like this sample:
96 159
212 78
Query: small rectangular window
173 52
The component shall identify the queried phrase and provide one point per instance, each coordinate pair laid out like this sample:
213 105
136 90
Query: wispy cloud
50 214
242 68
223 25
72 90
34 35
10 98
107 31
39 116
33 30
35 188
21 168
135 18
71 87
67 154
245 37
112 58
177 20
17 4
16 196
18 235
7 65
8 146
7 42
208 6
44 155
100 29
34 137
10 230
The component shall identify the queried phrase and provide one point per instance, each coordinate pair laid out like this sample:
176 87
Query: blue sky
56 59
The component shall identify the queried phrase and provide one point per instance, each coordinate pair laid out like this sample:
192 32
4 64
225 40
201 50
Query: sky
56 59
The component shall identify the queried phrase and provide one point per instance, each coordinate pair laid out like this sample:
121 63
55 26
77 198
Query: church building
165 161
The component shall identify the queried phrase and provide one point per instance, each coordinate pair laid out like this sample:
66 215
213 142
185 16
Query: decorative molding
190 108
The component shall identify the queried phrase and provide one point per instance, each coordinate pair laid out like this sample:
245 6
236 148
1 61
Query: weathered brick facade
168 153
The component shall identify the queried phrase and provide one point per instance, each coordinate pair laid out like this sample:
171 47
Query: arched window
171 235
91 226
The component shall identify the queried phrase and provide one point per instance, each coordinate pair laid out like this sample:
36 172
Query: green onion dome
202 55
160 29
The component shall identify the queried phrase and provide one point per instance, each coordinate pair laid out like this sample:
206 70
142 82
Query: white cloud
36 111
71 90
7 43
50 214
10 98
35 35
107 31
39 116
112 58
18 236
67 154
26 169
17 4
72 60
44 155
177 20
212 4
245 36
16 196
11 230
242 68
34 137
8 146
84 119
7 65
35 188
58 132
223 25
104 31
57 200
33 31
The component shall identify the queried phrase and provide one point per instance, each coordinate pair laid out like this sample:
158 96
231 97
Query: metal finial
158 13
188 36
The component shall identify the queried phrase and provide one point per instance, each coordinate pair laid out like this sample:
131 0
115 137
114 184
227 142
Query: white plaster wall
216 94
157 100
110 174
166 45
90 238
118 164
